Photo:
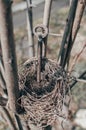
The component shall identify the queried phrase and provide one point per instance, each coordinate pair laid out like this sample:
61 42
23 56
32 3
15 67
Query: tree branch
8 52
20 127
80 80
79 13
2 82
46 19
30 28
82 76
66 41
2 70
76 25
8 118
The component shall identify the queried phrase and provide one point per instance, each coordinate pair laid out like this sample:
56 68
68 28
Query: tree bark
46 19
8 52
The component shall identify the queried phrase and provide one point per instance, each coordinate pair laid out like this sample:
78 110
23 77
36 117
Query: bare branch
76 58
46 19
80 80
2 70
56 35
8 52
47 11
3 89
18 121
66 41
29 14
2 82
80 77
76 25
8 118
78 18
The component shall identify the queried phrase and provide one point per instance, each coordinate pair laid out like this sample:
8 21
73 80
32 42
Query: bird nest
43 102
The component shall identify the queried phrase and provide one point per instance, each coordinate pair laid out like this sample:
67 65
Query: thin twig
74 83
57 35
39 59
2 82
80 80
18 121
2 70
76 58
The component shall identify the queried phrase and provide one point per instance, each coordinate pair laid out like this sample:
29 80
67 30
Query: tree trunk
8 52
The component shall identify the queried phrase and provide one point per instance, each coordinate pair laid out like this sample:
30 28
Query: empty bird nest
43 102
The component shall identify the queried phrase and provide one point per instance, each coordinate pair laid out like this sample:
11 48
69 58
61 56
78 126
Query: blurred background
58 18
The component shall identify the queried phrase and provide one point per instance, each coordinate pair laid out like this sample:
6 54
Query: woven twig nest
43 102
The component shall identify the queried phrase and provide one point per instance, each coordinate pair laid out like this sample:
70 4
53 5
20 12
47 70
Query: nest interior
43 102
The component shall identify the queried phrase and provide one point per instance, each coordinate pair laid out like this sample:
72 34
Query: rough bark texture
8 52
